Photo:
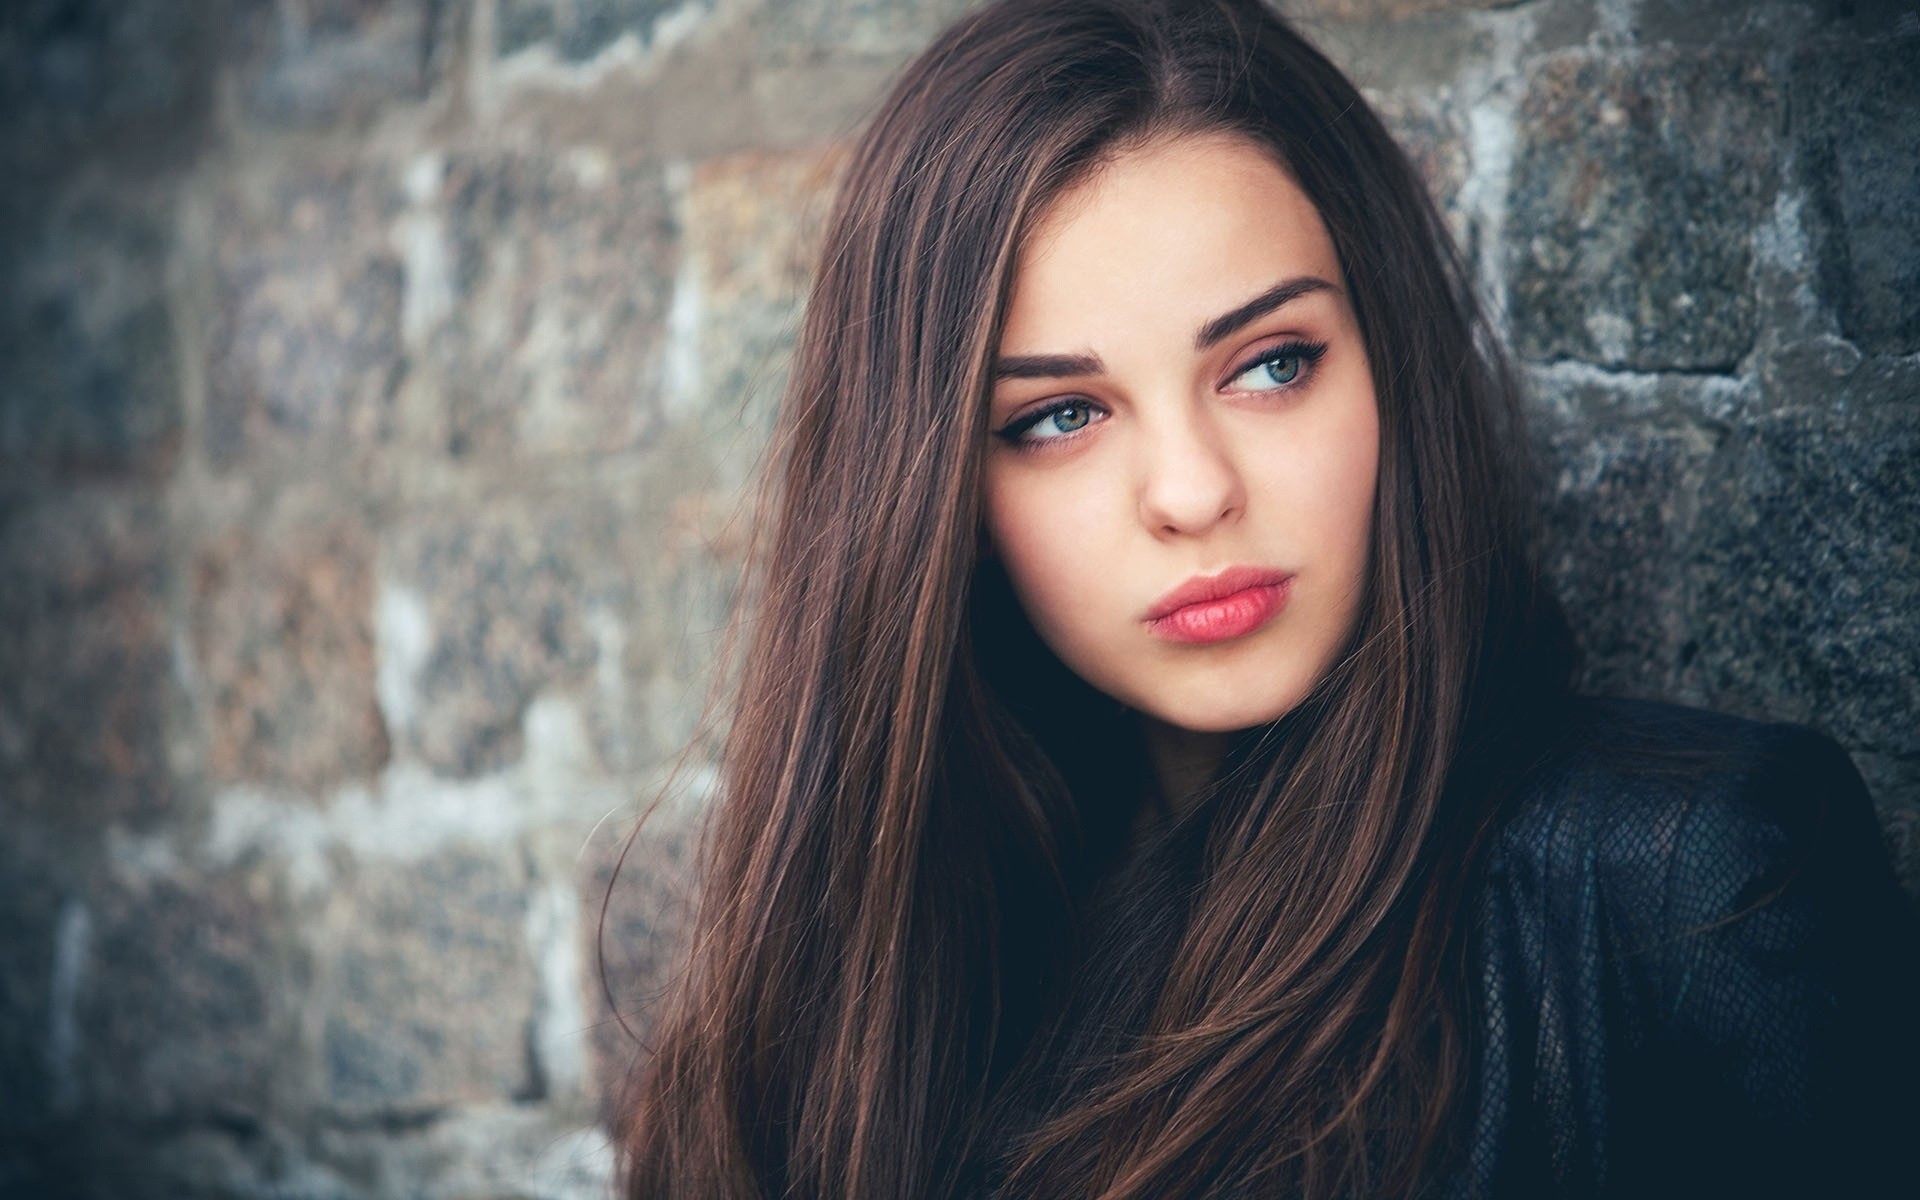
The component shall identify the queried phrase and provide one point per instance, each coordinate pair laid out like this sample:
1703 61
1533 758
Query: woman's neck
1184 762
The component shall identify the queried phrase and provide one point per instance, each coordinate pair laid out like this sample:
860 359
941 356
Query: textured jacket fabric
1694 971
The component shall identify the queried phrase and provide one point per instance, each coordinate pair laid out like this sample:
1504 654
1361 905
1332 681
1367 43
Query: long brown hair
915 796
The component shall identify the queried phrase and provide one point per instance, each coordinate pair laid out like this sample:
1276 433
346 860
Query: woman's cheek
1045 535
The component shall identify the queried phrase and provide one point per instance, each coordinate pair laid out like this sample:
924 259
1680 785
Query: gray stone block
342 60
283 646
562 273
506 594
131 78
1621 495
89 376
1895 784
753 226
576 29
489 1152
1854 112
1386 10
31 898
1804 586
1425 58
645 888
804 28
237 1159
1782 23
1427 129
1830 373
214 1163
613 599
1636 187
86 682
428 988
186 997
304 343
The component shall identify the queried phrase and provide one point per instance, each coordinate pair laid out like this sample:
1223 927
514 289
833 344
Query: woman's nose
1189 479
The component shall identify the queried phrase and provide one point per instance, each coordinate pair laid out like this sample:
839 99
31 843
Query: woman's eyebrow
1048 366
1069 366
1274 297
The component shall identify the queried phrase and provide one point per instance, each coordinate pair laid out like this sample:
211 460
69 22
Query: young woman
1152 772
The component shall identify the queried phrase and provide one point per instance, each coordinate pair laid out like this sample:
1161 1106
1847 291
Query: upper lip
1203 588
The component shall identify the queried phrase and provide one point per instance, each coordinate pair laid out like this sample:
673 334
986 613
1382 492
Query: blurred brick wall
378 379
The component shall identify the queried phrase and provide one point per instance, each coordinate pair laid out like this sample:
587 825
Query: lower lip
1224 619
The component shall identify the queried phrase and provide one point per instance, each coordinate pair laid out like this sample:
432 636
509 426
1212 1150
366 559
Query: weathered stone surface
1831 373
88 372
31 899
240 1162
505 594
85 679
485 1152
1615 517
128 77
1621 495
557 302
1386 10
577 29
1894 784
1432 137
427 991
186 996
480 1152
674 632
1689 22
1854 113
326 60
495 1152
1804 582
754 221
616 600
1776 22
753 228
883 27
1422 59
304 346
1635 191
283 642
644 878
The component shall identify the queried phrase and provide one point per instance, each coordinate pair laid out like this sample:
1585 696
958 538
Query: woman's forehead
1205 219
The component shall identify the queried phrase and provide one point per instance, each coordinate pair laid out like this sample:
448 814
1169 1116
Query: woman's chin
1212 714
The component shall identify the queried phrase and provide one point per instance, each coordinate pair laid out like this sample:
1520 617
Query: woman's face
1184 436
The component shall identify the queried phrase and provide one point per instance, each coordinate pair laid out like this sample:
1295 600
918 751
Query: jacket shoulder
1694 806
1695 965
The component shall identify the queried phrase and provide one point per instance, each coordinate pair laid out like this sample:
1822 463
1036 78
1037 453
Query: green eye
1284 369
1069 418
1061 419
1288 365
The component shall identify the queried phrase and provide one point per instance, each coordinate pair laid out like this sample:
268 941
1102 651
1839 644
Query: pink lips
1218 608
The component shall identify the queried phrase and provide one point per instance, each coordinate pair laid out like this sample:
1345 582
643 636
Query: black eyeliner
1013 429
1309 353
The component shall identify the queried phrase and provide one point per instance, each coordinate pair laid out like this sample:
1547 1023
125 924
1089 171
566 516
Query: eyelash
1309 354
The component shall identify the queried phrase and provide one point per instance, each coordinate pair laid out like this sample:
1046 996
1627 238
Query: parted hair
915 795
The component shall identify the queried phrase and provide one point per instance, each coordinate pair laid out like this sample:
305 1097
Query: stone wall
378 381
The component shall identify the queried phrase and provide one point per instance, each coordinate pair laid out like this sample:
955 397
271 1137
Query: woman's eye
1281 367
1284 369
1067 417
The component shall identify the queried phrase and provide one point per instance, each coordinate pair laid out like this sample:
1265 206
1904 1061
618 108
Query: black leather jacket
1696 973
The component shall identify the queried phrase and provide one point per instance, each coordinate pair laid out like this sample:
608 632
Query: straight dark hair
903 839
